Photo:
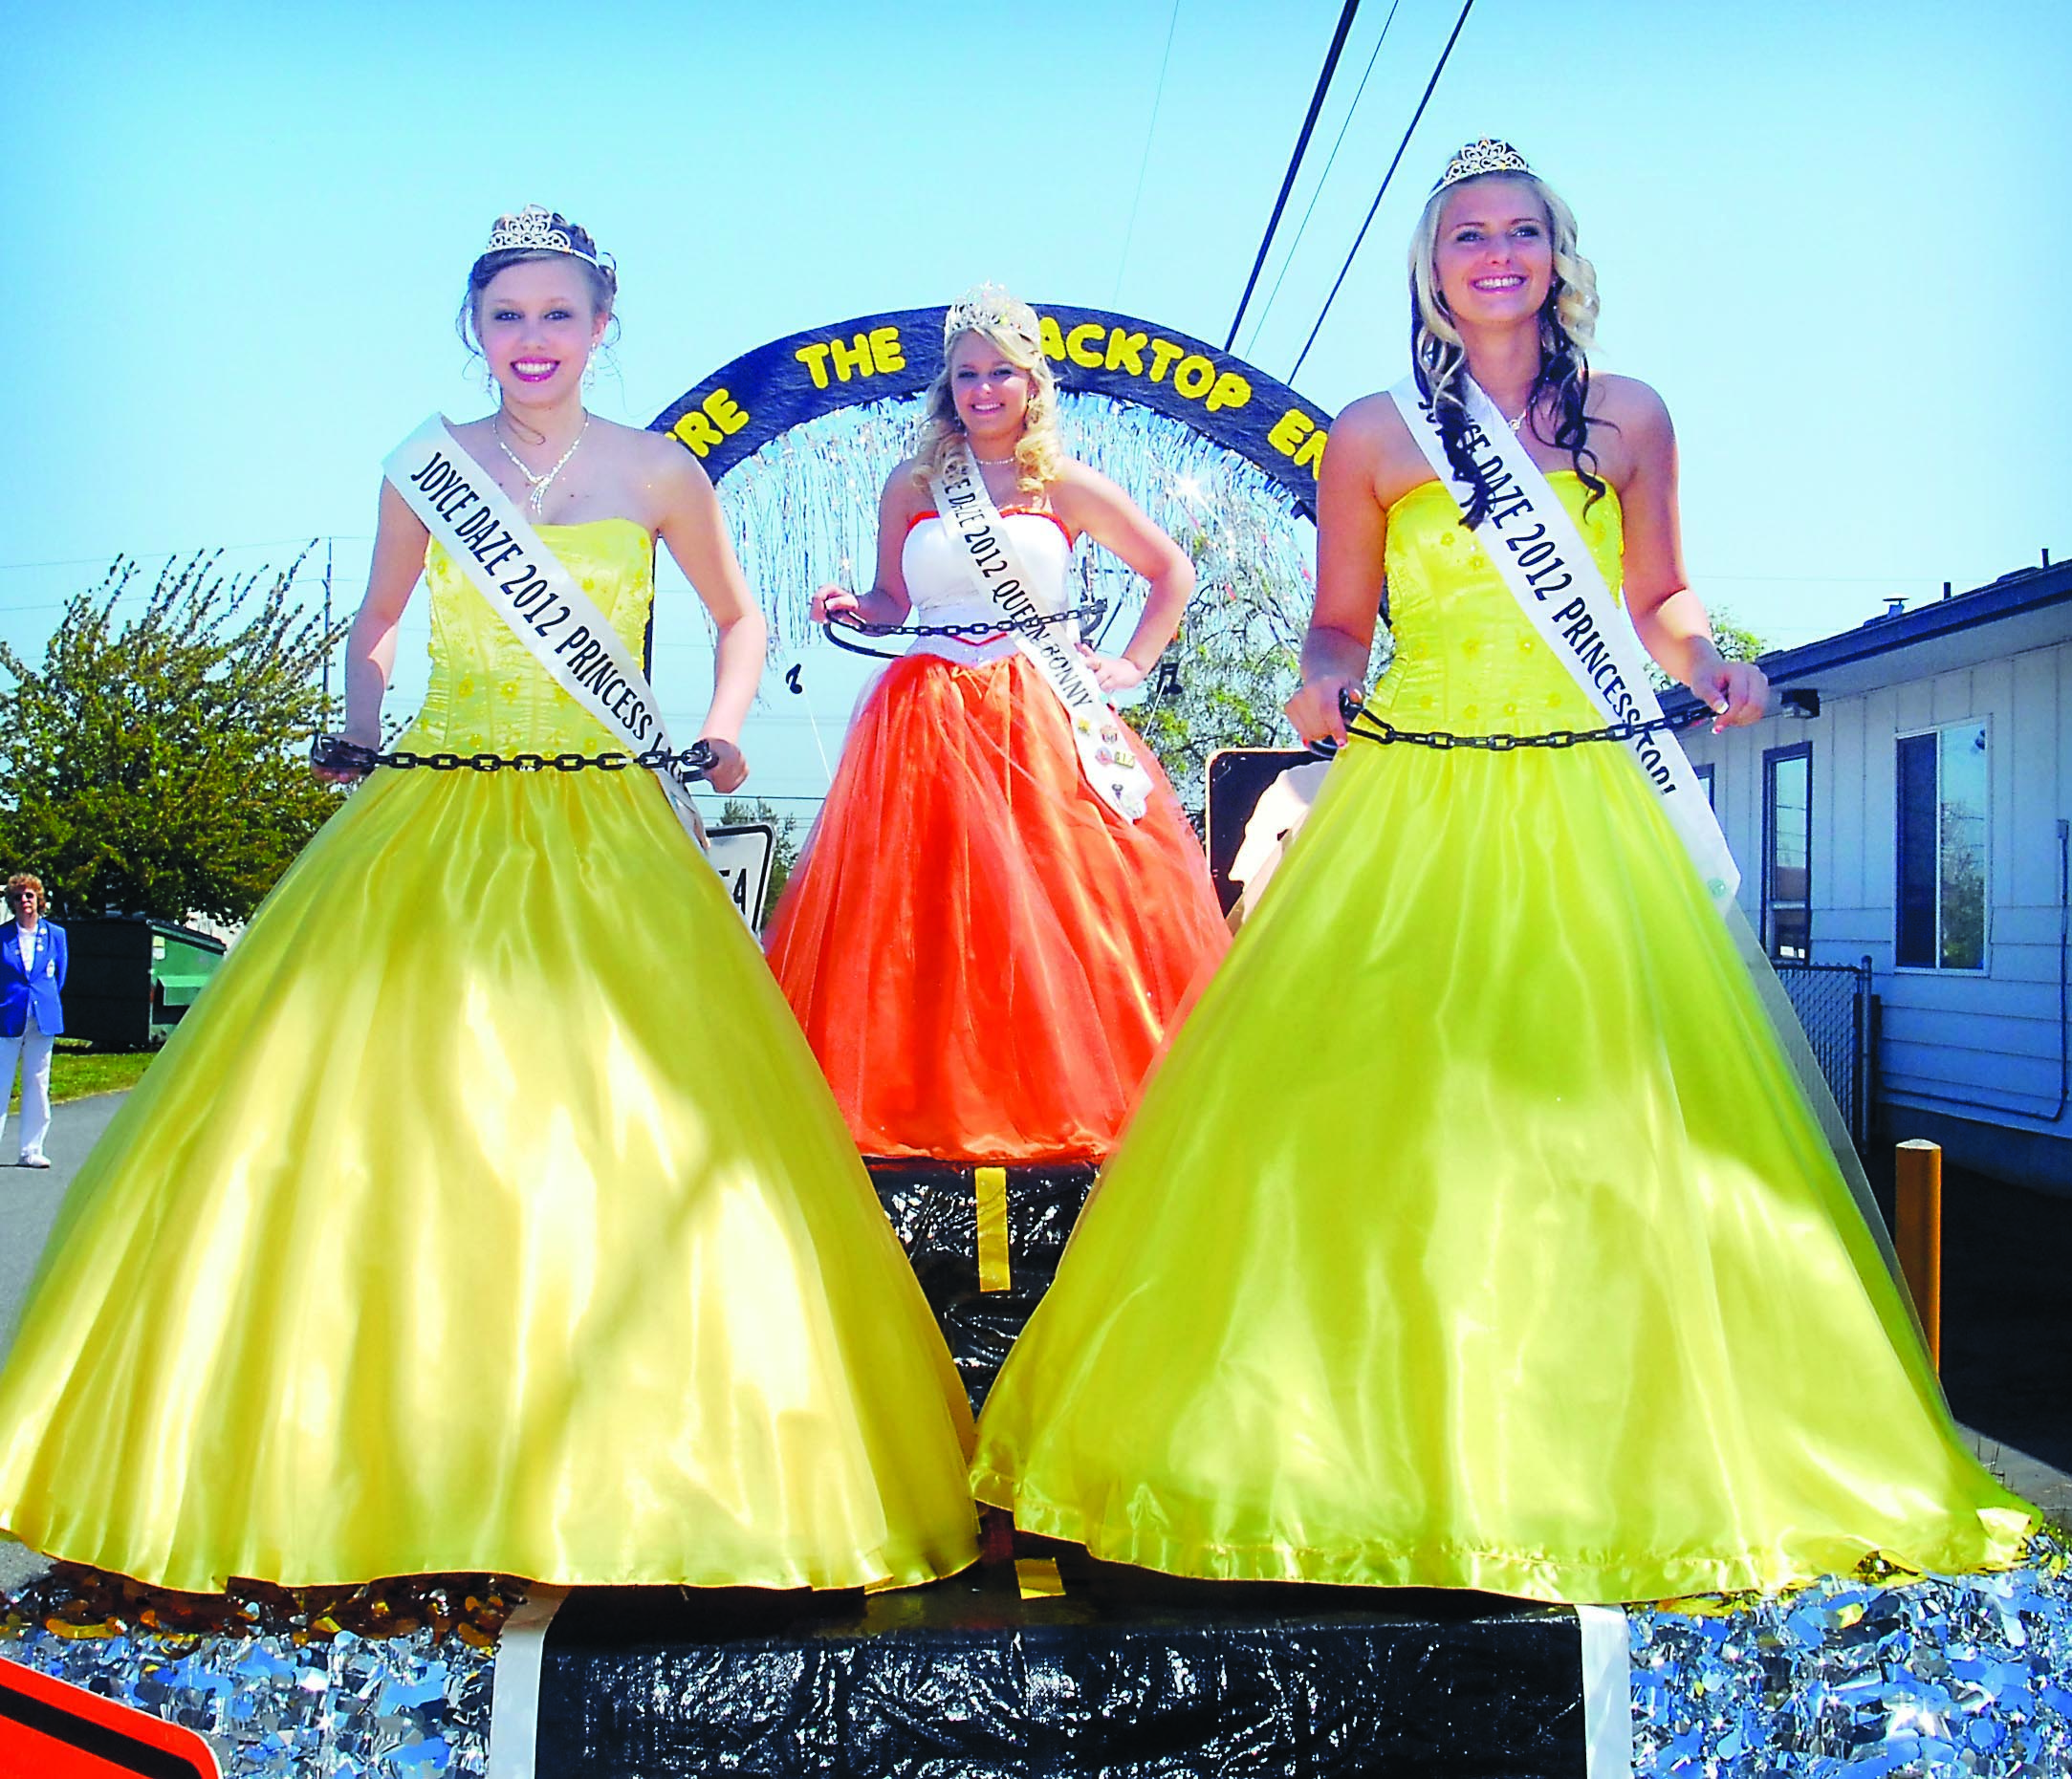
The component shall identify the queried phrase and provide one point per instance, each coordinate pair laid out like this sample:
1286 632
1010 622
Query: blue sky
1835 237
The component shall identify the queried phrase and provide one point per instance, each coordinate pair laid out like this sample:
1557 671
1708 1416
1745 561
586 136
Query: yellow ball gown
1475 1231
488 1213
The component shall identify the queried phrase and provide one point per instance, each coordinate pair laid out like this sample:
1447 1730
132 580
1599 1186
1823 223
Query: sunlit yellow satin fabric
488 1213
1475 1232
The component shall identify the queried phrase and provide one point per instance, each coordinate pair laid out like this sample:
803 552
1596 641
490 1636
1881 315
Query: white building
1920 821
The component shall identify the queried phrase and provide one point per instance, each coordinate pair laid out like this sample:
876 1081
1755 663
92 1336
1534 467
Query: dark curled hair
1567 323
603 279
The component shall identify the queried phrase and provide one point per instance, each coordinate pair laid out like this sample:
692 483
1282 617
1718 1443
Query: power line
1429 86
1322 179
1295 161
1157 98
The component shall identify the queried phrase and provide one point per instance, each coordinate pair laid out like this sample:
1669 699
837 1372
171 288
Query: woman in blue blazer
31 975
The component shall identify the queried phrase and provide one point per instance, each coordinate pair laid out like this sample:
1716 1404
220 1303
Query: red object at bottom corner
50 1729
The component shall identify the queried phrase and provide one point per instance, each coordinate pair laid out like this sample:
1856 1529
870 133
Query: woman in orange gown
984 953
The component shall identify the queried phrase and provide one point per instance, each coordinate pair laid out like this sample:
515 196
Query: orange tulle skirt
985 957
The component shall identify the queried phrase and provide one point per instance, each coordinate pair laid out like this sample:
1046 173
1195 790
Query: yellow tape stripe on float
988 1184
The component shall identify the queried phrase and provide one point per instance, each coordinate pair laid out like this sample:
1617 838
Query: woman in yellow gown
489 1213
1475 1231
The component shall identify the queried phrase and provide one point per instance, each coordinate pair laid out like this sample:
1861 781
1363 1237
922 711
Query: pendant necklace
539 483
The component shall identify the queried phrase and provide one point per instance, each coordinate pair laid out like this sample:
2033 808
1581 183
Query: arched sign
767 392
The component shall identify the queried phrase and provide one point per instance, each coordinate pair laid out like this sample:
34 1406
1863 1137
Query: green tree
1733 639
1238 658
154 763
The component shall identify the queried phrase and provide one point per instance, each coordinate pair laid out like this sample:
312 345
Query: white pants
32 1050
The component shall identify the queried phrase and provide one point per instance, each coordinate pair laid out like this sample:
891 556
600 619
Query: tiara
532 231
1488 154
992 309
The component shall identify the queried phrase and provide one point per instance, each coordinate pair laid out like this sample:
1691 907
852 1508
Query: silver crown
532 231
1488 154
992 309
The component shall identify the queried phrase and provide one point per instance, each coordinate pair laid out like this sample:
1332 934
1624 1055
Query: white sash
527 587
1535 548
994 569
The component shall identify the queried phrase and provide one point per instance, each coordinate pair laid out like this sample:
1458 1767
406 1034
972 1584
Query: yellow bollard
1918 1205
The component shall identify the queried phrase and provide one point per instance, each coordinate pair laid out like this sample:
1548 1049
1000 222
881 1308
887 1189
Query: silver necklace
995 462
539 483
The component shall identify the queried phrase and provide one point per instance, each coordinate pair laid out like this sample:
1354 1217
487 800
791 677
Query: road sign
741 854
55 1730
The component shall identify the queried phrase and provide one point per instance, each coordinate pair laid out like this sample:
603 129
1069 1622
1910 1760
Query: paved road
29 1201
30 1197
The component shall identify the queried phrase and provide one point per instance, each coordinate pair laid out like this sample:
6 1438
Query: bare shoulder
906 491
1371 418
478 435
1371 440
1628 404
663 486
656 455
1079 489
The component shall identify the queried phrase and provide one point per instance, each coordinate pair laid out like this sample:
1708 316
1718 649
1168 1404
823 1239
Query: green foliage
1734 640
155 763
788 836
78 1071
1237 660
1229 694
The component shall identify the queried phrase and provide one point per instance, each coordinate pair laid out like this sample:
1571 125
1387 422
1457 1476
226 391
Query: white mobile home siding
1974 1044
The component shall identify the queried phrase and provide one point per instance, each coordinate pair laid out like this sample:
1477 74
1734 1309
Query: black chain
335 753
1092 613
1377 729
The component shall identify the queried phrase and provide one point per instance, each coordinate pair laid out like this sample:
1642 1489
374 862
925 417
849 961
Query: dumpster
130 979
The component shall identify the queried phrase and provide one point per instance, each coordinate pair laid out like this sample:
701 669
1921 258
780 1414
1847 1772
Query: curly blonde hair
1012 327
1567 329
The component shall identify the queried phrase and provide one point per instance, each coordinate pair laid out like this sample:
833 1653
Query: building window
1705 778
1942 849
1787 853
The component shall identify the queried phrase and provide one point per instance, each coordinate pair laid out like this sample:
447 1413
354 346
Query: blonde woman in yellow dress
1476 1231
488 1213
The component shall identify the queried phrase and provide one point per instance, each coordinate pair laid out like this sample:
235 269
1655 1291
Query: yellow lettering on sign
815 360
1054 342
1298 436
1194 377
697 432
863 354
1289 431
887 353
727 414
1126 348
1079 351
1231 391
1162 353
852 358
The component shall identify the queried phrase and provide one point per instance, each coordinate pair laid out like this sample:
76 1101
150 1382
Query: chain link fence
1833 1004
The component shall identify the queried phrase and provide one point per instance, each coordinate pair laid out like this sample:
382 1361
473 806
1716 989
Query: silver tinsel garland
276 1706
803 510
1844 1679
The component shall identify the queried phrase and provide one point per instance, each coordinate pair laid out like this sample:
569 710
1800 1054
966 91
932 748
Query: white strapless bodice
939 586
